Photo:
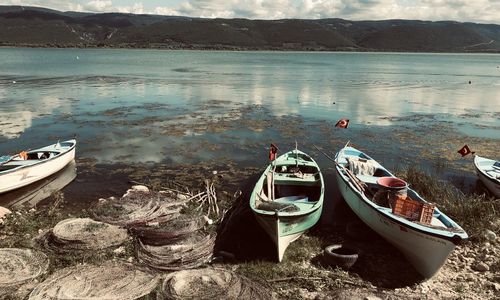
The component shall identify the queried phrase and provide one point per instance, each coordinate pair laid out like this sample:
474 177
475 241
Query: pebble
480 267
119 250
140 188
32 210
208 220
490 235
372 298
182 197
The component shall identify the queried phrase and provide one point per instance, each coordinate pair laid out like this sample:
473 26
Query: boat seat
368 178
293 199
284 178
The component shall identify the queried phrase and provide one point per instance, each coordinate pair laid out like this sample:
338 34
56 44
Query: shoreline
221 48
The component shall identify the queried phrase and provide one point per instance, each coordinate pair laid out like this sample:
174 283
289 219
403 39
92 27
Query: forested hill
39 27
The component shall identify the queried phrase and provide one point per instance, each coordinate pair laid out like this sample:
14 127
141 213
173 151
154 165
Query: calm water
192 106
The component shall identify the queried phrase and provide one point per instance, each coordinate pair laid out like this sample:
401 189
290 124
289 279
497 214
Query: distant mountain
41 27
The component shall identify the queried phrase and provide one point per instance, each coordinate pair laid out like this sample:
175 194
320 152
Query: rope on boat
211 283
108 281
20 266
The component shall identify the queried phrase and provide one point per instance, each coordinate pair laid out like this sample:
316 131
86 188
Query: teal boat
287 199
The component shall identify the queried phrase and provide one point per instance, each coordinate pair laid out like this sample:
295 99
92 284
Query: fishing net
276 206
19 266
138 207
210 283
188 252
168 232
118 281
83 234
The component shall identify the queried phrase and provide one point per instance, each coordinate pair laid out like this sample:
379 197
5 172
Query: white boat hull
425 252
491 183
11 180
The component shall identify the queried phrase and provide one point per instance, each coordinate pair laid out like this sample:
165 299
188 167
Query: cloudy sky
483 11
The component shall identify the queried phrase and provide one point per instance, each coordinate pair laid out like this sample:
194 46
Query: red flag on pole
465 150
342 123
272 152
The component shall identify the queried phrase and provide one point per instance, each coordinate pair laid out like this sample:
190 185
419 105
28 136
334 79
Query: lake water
173 107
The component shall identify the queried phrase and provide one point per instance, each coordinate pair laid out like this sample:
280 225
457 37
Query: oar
355 180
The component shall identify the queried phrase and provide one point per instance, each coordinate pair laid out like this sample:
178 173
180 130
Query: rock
490 235
2 222
32 210
182 196
214 172
208 220
371 297
153 224
495 286
119 250
480 267
140 188
130 259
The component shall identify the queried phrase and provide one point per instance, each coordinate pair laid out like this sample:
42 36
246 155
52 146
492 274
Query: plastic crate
413 210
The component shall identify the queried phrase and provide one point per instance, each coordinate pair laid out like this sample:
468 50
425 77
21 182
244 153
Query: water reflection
146 105
31 195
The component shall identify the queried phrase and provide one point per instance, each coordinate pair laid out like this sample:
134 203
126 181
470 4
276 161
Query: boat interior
31 158
367 171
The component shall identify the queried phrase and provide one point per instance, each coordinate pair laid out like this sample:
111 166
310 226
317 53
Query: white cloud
137 8
99 6
484 11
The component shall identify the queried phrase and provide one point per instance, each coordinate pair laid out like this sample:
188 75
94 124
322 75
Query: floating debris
83 234
211 283
189 252
109 281
20 266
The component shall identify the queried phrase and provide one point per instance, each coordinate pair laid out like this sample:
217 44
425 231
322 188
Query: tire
340 255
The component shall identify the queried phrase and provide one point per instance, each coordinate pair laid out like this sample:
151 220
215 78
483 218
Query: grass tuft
473 212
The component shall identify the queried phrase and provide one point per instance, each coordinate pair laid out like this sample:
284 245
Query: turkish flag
273 149
465 150
342 123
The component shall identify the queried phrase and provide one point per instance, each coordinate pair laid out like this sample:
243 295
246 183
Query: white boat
23 169
426 244
488 171
30 195
288 198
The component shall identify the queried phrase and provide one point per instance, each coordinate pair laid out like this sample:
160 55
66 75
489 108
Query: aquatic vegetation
475 213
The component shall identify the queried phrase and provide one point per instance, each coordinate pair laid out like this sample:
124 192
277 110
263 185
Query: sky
481 11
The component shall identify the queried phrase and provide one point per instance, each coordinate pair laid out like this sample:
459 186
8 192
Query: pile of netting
109 281
20 266
189 251
140 207
166 238
168 232
82 234
210 283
